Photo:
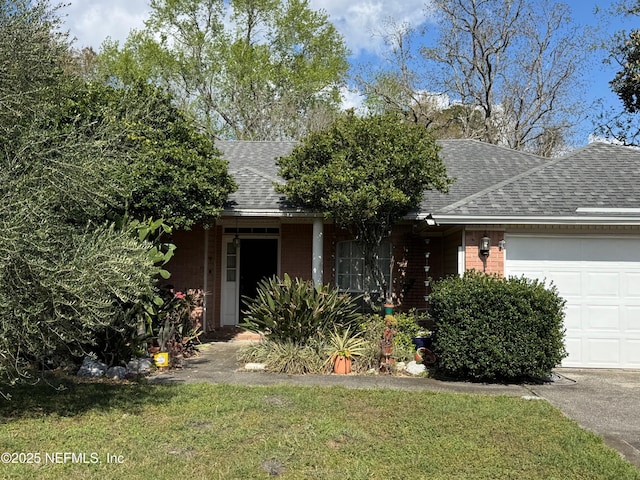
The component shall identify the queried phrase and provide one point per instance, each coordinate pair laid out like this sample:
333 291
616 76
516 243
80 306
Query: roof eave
266 212
531 220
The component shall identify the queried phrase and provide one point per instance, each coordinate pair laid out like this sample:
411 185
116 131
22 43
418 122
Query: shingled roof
599 181
253 165
493 183
476 166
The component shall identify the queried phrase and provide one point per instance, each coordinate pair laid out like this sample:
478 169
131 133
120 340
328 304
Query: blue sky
91 21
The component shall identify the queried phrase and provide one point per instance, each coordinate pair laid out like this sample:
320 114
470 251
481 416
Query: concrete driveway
606 402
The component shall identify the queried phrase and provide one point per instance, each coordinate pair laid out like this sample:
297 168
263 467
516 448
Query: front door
258 260
246 262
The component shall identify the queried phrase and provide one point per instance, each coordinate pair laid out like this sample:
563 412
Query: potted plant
424 343
342 348
423 339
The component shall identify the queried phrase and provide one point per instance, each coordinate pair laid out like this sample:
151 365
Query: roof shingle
490 180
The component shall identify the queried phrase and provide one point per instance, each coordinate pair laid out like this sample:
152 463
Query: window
232 258
350 266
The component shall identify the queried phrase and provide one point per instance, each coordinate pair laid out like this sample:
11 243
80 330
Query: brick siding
296 244
494 263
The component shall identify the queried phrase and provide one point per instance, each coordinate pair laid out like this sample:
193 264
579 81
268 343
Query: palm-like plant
344 345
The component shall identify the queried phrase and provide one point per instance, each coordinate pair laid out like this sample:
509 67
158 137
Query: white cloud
359 21
352 98
362 21
92 21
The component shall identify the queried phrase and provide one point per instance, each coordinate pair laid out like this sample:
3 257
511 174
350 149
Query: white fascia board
457 219
270 213
531 220
635 211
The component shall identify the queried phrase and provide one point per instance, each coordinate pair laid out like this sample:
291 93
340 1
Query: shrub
295 310
491 328
371 327
285 356
407 326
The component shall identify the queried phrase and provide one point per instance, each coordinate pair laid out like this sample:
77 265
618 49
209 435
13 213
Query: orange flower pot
342 365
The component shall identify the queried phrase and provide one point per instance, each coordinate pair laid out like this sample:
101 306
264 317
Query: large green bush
491 328
295 310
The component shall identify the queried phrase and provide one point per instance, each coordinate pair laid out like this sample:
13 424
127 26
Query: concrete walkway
606 402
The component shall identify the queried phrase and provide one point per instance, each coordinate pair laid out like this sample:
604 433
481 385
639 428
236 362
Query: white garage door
600 280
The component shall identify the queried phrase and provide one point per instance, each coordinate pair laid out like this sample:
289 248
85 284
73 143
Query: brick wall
494 263
187 265
296 250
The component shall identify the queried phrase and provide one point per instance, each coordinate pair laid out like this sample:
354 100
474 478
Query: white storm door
230 282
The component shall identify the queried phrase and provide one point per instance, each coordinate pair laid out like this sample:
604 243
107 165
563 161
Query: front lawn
207 431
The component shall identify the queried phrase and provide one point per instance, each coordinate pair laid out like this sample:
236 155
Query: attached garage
599 277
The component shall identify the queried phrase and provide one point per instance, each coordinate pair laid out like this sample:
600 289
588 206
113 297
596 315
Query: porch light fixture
236 239
485 246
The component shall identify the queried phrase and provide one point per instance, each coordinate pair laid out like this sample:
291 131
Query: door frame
230 295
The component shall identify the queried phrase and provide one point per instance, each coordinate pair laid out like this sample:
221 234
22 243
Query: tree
73 157
622 125
245 69
513 63
365 174
170 170
61 275
626 52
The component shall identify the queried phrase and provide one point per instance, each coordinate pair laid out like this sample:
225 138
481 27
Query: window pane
343 266
350 272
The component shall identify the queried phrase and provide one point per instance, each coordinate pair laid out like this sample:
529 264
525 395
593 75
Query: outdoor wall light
485 246
501 245
236 238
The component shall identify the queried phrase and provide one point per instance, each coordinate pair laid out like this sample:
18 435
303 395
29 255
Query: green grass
233 432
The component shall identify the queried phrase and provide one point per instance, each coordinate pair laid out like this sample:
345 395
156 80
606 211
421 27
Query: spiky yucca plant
295 310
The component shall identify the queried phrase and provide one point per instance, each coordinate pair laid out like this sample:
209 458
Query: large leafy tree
365 173
168 169
621 124
515 64
74 157
244 69
626 52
